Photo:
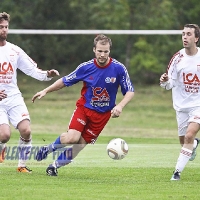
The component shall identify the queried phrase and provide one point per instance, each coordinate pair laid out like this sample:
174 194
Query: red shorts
89 122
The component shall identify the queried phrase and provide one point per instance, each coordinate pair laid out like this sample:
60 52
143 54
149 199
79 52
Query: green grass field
147 124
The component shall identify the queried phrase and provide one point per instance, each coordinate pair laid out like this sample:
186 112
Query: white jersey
184 80
12 58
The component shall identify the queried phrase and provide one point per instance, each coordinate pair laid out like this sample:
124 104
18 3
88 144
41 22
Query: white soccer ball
117 149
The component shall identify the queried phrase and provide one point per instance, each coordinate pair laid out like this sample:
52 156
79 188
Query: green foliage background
146 56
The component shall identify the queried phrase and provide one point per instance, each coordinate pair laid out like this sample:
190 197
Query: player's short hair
102 39
196 30
4 16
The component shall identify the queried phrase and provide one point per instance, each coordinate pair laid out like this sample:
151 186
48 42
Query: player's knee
4 133
25 132
68 138
4 137
71 140
24 128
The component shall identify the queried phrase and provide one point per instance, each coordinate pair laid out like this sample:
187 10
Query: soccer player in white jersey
183 77
12 106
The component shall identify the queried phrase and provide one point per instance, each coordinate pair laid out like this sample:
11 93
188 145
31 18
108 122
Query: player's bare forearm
127 98
116 111
57 85
54 87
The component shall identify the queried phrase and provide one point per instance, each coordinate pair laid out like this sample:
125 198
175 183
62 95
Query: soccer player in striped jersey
12 106
183 77
101 79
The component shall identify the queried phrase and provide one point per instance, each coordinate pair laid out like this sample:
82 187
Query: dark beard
102 63
3 38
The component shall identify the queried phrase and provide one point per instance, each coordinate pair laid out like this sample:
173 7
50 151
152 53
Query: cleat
176 176
42 153
3 154
51 171
24 170
194 152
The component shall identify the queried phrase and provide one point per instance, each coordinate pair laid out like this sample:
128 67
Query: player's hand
164 78
39 95
116 111
52 73
3 95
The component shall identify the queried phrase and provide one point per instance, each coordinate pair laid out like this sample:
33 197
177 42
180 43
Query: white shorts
13 110
184 118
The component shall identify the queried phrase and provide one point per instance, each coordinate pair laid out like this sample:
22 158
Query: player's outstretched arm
39 95
54 87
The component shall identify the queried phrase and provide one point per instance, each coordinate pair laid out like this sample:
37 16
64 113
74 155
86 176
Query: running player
101 78
183 77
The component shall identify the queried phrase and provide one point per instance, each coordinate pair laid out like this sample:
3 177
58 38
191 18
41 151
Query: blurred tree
187 12
146 56
150 55
141 54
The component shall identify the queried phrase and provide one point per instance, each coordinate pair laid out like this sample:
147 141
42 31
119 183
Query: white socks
2 146
183 159
24 149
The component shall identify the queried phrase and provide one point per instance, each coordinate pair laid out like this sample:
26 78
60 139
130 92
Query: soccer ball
117 149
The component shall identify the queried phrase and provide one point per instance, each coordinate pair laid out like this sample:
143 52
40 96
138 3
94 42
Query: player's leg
4 138
72 136
70 153
194 118
182 138
94 126
186 150
5 133
47 149
67 138
195 145
25 145
182 122
86 122
20 119
66 157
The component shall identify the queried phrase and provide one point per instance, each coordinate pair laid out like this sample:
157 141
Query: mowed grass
147 124
144 174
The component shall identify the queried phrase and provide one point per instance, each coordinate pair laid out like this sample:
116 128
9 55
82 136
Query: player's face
188 38
3 30
102 53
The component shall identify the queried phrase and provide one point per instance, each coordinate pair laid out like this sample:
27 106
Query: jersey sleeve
172 72
29 67
125 81
74 77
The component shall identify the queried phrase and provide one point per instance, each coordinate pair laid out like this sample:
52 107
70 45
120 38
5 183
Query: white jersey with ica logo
12 58
184 80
